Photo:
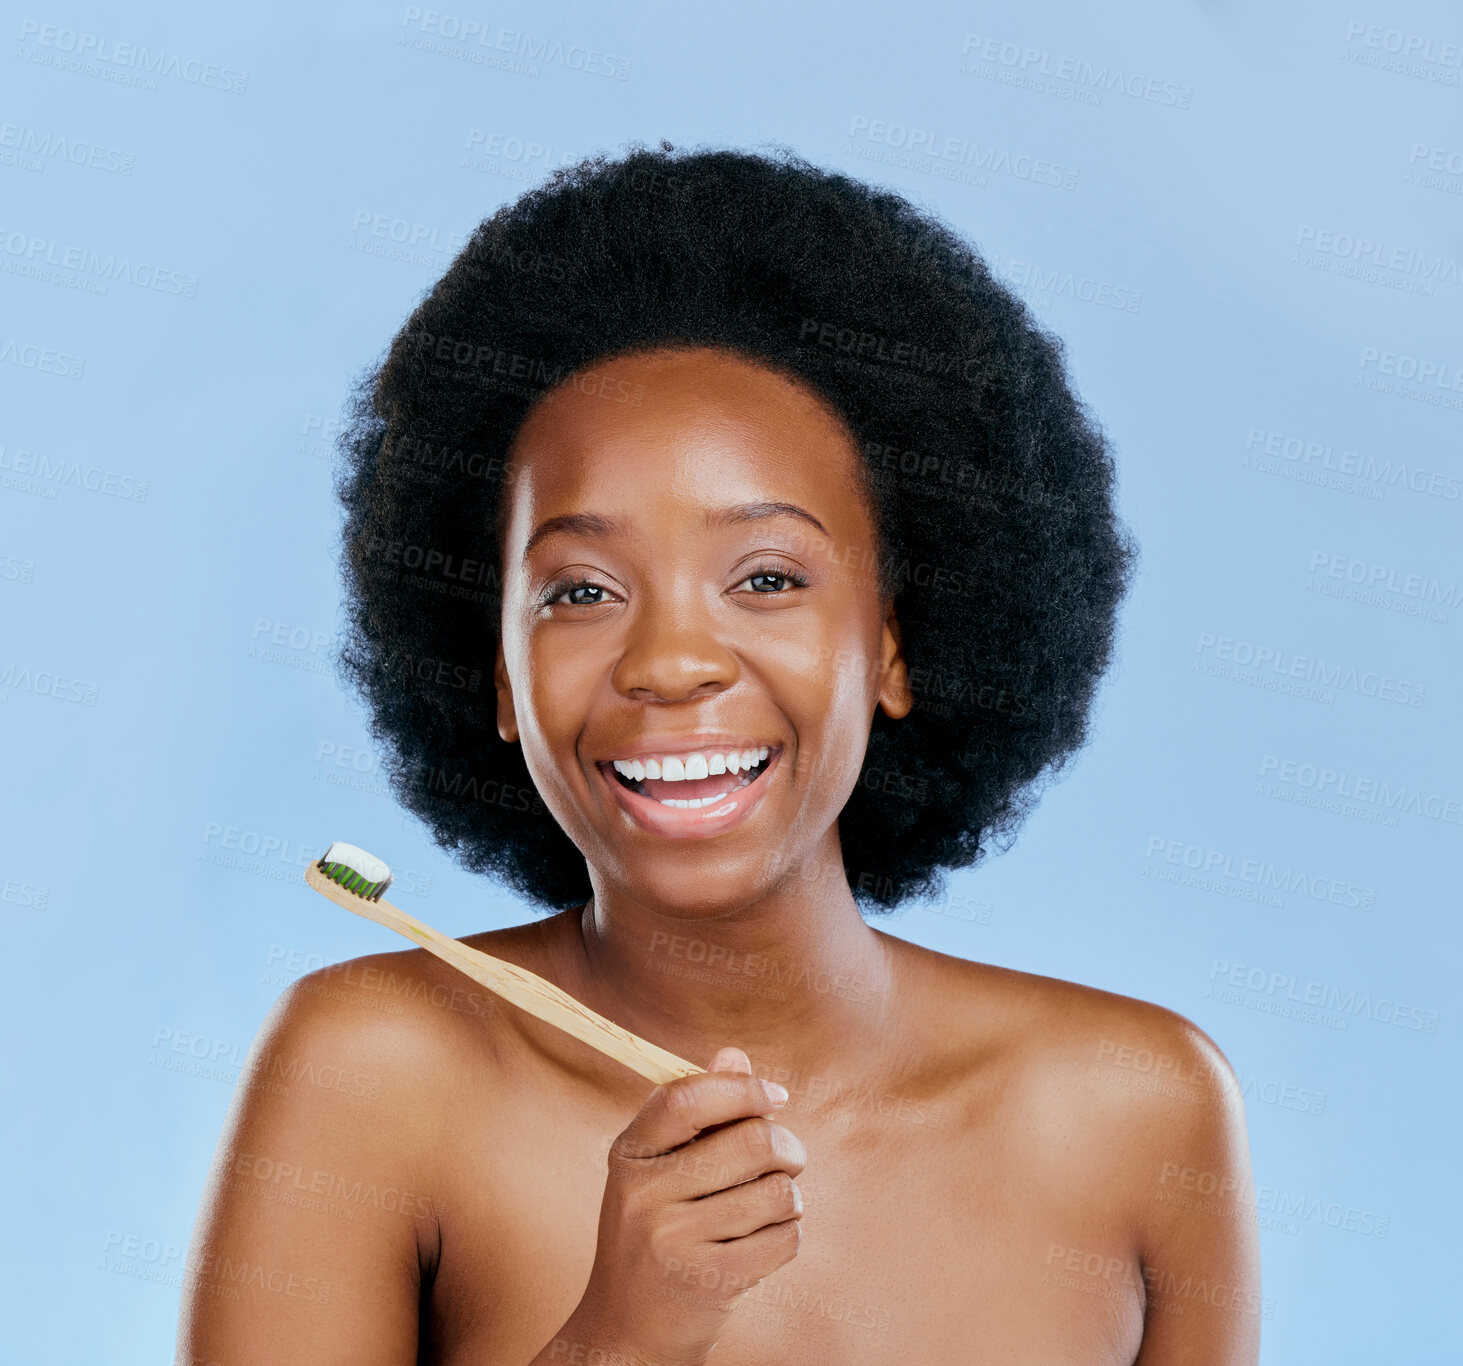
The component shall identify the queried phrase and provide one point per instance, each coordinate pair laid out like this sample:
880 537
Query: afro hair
991 485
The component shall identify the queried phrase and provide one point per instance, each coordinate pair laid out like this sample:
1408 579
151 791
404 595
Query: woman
791 560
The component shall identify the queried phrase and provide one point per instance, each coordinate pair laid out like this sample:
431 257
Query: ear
895 695
507 719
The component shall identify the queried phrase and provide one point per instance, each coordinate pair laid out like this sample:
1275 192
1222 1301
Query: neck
796 979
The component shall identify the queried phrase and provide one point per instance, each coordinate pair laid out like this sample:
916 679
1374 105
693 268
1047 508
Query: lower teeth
688 803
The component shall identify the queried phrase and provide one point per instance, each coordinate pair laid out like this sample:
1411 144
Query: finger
740 1263
677 1111
730 1060
772 1198
740 1152
757 1255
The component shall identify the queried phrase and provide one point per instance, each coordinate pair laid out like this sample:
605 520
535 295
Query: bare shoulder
407 1015
1101 1087
1047 1026
387 1048
322 1212
353 1064
366 1066
1143 1050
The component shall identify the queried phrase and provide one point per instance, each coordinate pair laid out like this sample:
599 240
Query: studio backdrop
1244 221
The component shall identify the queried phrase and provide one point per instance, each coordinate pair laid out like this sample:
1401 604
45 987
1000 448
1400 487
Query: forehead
696 426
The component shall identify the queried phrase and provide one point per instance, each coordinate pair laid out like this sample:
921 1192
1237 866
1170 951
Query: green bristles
355 870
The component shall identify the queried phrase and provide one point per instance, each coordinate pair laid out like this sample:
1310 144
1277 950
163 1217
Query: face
692 573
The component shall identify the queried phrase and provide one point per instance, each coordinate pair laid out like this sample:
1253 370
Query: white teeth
688 803
703 764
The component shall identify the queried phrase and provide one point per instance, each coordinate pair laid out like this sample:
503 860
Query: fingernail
776 1093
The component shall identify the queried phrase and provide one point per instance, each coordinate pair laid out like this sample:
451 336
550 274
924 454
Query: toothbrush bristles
352 881
342 864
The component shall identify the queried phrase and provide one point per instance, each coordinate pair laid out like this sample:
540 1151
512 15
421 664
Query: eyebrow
594 524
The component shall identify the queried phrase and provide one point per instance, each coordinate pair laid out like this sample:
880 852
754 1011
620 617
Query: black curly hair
991 484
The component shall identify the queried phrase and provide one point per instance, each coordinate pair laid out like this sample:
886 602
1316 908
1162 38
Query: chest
916 1244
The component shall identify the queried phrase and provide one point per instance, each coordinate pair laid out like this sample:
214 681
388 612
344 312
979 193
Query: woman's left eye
783 573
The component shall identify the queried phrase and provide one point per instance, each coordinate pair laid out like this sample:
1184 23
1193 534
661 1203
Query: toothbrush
354 879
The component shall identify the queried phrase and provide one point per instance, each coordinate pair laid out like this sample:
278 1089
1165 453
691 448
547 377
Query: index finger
678 1110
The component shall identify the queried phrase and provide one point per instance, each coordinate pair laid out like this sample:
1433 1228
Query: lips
696 822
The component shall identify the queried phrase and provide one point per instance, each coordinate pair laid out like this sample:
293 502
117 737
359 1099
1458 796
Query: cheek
826 696
550 704
833 664
557 783
560 675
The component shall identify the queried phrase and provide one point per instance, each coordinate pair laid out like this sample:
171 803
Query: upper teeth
676 768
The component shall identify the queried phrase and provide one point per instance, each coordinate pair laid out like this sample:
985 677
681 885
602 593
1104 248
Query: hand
700 1204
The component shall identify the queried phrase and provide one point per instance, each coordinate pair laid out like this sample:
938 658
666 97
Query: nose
672 652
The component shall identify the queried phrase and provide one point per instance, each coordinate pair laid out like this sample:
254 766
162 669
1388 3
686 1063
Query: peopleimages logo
1083 78
1433 372
1276 992
1260 874
44 257
33 143
1405 260
475 39
69 49
1442 159
52 474
45 359
1343 677
1384 584
1422 46
1057 280
1306 454
1338 783
924 144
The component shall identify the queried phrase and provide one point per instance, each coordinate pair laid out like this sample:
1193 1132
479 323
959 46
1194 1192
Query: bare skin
973 1165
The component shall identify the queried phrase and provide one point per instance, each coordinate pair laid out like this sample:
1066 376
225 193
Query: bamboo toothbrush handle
525 989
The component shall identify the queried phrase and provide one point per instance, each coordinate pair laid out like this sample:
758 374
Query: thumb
730 1060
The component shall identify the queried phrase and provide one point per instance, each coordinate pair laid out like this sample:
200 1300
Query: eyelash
772 569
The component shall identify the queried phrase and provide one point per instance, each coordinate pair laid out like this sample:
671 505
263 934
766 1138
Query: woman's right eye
566 588
582 588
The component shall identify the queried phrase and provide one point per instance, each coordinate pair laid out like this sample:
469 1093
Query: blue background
161 799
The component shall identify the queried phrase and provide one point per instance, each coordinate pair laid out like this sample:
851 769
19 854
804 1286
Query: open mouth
690 794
